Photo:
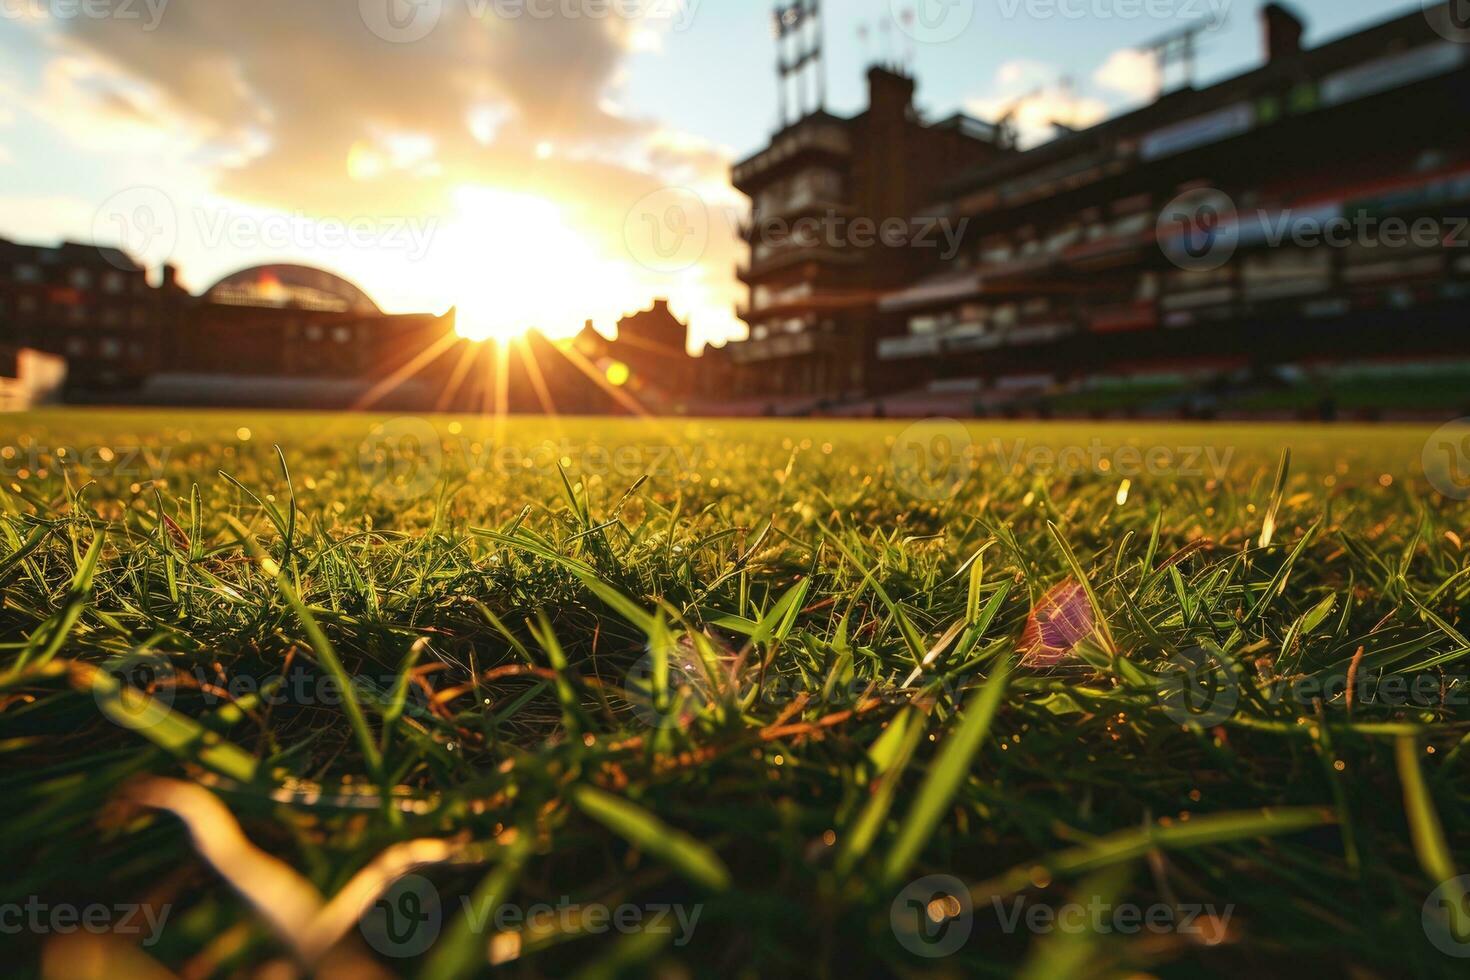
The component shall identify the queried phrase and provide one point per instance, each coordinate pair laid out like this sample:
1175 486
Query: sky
534 163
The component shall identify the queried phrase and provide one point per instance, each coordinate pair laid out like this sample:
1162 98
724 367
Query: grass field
414 697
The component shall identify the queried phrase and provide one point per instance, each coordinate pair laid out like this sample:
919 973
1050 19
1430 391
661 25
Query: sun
474 325
513 264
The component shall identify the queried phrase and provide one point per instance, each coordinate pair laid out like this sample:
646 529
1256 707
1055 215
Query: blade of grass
691 858
946 774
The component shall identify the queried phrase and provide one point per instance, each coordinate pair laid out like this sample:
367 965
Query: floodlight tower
1180 47
800 62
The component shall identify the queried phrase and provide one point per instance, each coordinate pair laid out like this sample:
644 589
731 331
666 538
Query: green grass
538 683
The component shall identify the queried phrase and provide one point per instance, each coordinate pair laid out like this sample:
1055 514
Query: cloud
1035 97
300 106
297 86
1019 74
98 109
1129 72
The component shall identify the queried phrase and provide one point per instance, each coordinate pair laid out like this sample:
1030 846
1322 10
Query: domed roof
297 287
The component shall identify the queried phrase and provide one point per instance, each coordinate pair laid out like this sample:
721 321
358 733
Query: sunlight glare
515 265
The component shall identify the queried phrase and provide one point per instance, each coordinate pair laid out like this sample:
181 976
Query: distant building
319 339
296 321
836 219
1075 274
92 306
292 336
649 357
1075 279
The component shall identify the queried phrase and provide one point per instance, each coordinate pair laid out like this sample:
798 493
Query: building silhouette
301 322
836 207
649 355
93 306
1162 260
292 336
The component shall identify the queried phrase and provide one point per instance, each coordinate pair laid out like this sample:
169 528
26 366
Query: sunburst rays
396 380
486 365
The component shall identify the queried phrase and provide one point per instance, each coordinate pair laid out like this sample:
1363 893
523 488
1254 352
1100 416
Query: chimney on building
1283 32
169 279
890 94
